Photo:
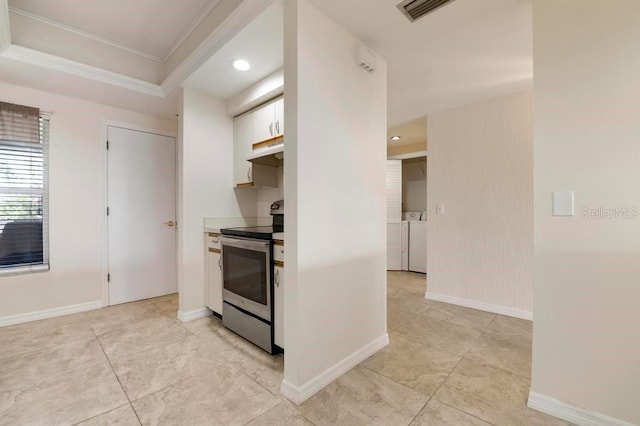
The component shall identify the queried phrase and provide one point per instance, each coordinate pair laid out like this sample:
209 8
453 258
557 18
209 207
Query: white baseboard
50 313
482 306
299 394
572 414
193 315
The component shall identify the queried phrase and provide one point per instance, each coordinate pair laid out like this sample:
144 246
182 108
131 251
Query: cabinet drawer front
278 250
213 240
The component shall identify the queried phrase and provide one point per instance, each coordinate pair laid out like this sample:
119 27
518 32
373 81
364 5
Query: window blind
24 140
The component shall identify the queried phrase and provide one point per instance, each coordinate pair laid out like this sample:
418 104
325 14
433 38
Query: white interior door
142 212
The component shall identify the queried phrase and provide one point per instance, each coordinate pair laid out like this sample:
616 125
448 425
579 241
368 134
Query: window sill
21 270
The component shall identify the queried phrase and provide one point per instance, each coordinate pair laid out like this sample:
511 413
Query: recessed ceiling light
241 65
395 138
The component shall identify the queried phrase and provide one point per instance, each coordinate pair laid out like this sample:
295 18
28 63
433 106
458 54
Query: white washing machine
418 246
404 238
414 241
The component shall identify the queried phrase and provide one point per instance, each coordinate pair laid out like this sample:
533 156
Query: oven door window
245 273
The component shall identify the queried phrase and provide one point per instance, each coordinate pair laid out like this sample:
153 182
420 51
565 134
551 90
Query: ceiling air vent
415 9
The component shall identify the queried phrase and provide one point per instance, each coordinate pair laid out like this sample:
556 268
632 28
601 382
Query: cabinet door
214 282
243 134
279 116
262 120
278 306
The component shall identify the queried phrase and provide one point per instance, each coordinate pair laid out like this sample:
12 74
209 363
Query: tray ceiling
128 54
148 27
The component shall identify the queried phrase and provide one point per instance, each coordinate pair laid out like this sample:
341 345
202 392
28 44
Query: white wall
266 196
205 187
77 178
586 349
414 185
268 88
480 168
335 194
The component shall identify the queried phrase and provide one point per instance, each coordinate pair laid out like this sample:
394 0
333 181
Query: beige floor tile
147 372
220 339
56 372
122 416
166 297
459 315
443 335
267 372
168 307
213 397
401 300
420 367
116 317
362 397
410 281
391 290
283 414
68 398
203 326
437 414
264 368
492 394
29 369
511 352
142 336
509 325
42 335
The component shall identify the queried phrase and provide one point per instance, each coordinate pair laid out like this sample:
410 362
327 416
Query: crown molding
82 33
206 10
202 14
239 18
34 57
5 29
236 21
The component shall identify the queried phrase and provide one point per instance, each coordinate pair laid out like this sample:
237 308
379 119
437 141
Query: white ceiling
464 52
411 132
151 27
261 43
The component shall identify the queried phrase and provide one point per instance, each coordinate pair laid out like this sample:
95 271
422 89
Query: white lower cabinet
278 305
214 273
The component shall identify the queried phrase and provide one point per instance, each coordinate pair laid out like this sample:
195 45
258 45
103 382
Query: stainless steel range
247 279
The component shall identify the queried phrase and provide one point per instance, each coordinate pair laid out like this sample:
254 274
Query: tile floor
135 364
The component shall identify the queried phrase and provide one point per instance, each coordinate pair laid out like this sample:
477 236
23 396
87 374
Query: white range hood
269 156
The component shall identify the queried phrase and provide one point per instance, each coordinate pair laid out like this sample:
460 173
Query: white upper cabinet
263 120
262 124
279 117
243 135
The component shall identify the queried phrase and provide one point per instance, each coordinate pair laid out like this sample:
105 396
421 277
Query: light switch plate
563 203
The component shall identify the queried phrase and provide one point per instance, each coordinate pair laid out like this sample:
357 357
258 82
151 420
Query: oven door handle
257 245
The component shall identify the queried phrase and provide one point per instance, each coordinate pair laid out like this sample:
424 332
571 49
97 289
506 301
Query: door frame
104 222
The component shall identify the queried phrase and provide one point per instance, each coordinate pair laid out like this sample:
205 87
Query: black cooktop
258 232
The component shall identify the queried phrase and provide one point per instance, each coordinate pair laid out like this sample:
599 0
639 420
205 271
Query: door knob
170 224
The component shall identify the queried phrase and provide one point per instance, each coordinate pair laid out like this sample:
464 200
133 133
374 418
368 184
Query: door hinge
107 144
108 278
107 211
